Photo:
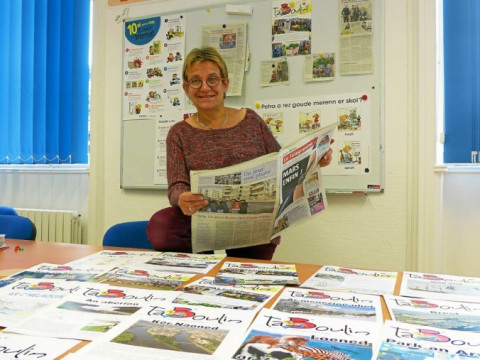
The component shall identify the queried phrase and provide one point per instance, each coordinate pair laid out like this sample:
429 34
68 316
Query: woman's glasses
211 81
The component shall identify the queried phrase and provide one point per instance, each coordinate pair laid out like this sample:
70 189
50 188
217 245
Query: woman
215 136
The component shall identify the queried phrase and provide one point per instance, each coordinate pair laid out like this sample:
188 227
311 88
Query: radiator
61 226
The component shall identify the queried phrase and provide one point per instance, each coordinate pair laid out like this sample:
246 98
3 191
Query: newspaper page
301 189
205 292
442 287
291 28
356 39
257 273
338 278
54 271
281 335
87 314
24 297
14 346
330 304
242 205
231 42
252 201
166 333
407 341
274 72
453 315
184 262
142 277
114 258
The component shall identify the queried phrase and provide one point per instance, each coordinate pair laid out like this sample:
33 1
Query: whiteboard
138 135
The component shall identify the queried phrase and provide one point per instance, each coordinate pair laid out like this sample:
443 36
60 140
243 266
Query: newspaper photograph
319 67
453 315
251 202
184 262
282 335
114 258
442 287
173 332
338 278
407 341
330 304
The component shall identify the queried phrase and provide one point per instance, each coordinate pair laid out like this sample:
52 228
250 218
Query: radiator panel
61 226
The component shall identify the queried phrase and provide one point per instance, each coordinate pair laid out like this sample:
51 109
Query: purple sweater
189 148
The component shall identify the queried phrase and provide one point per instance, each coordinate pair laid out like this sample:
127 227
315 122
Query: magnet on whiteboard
239 9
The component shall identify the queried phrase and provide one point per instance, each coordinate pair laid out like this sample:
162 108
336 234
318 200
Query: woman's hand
326 159
190 203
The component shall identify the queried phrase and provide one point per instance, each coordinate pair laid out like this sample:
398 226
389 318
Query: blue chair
8 210
17 227
130 234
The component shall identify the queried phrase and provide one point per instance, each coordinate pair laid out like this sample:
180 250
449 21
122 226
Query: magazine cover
418 342
183 262
173 332
257 273
331 304
442 287
339 278
453 315
281 335
23 297
89 312
141 277
208 293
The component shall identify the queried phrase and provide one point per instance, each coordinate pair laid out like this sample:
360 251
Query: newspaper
14 346
142 277
251 202
54 271
114 258
257 273
407 341
438 286
91 311
166 333
281 335
460 316
338 278
205 292
23 297
330 304
183 262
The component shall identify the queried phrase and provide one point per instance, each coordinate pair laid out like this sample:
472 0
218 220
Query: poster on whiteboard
153 54
288 118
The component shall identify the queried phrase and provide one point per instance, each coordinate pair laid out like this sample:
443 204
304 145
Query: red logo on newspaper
300 150
179 312
111 293
41 286
297 323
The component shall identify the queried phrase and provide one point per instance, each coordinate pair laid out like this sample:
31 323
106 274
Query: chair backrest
17 227
130 234
8 210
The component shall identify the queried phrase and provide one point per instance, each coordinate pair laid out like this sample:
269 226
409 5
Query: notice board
343 98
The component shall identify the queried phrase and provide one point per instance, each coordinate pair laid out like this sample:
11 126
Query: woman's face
206 97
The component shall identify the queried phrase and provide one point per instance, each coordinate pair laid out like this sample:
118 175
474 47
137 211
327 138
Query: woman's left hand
326 159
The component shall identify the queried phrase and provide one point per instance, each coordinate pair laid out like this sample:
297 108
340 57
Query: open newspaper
251 202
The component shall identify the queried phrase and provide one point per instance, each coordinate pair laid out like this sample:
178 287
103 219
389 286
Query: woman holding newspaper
215 136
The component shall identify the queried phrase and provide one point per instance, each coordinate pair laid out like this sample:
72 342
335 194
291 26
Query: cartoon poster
154 49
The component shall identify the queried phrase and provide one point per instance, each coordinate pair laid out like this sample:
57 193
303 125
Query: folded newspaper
251 202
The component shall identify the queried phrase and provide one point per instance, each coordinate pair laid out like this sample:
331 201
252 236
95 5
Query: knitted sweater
189 148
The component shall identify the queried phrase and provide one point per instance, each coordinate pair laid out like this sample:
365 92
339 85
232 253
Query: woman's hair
198 55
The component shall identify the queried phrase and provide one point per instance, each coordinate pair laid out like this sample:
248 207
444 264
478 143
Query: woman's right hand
190 203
